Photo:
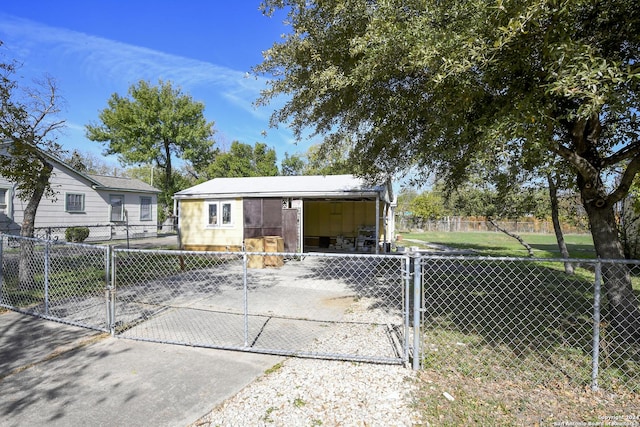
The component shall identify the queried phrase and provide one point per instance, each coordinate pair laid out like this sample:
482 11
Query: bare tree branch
581 164
633 168
625 153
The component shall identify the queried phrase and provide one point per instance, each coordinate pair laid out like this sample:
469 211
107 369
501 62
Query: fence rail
105 232
476 316
457 224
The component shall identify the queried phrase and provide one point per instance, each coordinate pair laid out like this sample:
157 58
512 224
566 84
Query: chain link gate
55 280
350 307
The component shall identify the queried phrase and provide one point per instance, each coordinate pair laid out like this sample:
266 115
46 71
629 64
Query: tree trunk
168 190
25 274
623 309
514 235
555 218
624 312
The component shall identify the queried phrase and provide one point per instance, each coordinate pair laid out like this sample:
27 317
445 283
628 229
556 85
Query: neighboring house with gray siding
105 204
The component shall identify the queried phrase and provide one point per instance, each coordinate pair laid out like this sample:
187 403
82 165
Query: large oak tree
153 125
436 85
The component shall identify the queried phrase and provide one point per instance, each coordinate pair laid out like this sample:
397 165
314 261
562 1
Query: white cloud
121 64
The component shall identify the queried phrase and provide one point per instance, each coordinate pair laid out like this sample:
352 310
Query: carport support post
417 287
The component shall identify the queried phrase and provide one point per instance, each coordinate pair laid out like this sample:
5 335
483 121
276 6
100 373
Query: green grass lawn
499 244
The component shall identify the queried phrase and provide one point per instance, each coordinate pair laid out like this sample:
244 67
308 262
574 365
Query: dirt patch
343 302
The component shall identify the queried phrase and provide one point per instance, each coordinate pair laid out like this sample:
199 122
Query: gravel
313 392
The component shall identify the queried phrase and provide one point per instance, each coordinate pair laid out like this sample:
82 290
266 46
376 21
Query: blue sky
99 47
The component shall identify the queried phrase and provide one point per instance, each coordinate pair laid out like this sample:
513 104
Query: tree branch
626 181
628 151
583 166
514 235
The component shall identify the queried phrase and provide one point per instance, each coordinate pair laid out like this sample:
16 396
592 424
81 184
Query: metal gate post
417 289
110 290
245 298
2 240
46 276
406 274
596 326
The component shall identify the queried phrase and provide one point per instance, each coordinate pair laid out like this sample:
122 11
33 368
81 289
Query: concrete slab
59 375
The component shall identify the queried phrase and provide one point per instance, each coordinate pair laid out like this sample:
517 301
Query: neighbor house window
74 202
3 200
145 208
218 213
116 201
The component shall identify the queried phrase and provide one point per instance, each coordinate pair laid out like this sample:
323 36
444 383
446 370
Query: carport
339 213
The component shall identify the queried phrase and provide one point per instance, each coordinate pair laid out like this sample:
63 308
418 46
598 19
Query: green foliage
243 160
76 234
328 160
292 165
439 86
428 206
153 125
319 159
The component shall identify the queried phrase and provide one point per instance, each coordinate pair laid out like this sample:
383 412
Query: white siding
52 212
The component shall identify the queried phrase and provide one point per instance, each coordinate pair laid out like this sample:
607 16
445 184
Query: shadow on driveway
59 375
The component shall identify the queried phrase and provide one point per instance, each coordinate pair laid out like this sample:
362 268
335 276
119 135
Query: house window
74 202
3 200
219 214
116 201
145 209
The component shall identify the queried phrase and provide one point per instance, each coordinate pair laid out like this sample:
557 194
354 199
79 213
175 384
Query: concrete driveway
59 375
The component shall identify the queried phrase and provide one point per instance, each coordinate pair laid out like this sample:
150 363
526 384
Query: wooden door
290 229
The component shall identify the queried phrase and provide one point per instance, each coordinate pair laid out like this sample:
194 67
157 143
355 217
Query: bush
76 234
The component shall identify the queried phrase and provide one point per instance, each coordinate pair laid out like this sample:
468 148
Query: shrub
76 234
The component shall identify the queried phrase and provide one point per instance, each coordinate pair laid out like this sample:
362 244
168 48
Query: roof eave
299 195
128 190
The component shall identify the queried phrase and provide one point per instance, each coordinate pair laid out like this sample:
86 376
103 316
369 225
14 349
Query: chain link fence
504 319
492 318
55 281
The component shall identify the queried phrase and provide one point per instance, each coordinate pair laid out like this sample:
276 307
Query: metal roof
311 186
121 184
100 182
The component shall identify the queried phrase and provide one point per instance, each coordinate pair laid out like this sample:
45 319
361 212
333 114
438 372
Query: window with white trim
74 202
116 202
219 213
3 200
145 209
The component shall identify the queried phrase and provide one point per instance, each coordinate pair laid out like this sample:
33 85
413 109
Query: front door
290 229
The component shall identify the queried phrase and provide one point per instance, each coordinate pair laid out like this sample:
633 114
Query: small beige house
329 213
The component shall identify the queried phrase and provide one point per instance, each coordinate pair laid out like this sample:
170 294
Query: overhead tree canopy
439 85
153 125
